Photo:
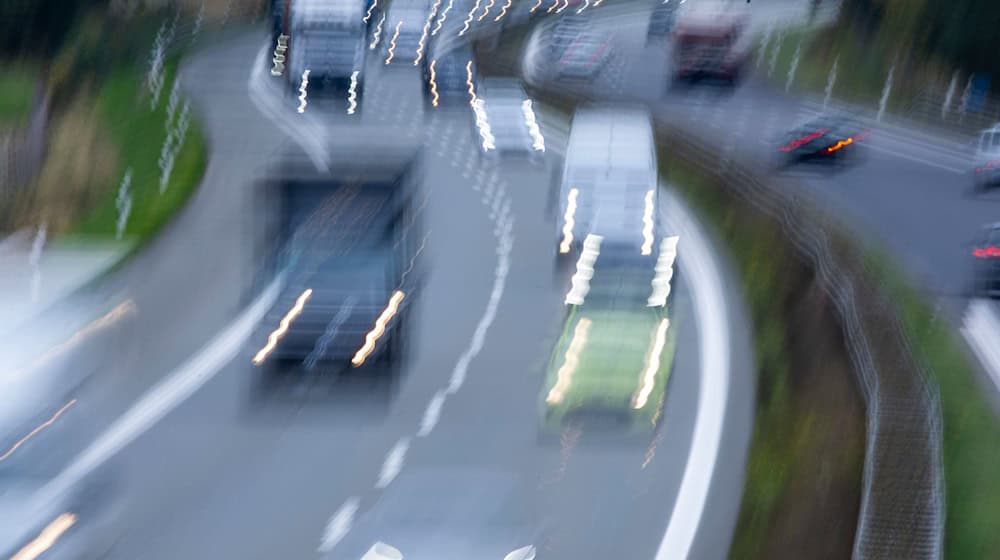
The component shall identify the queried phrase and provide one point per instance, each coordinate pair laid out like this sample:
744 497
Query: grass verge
139 134
802 491
17 86
971 429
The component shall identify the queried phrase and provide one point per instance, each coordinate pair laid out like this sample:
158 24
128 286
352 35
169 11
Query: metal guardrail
902 509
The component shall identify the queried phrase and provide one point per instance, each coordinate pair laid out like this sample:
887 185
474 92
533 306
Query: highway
209 467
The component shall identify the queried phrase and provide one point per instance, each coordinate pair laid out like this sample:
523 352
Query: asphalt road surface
210 468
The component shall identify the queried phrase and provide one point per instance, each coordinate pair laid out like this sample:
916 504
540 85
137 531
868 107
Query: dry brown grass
78 171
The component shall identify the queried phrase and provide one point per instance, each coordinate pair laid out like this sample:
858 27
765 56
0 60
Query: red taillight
987 252
797 143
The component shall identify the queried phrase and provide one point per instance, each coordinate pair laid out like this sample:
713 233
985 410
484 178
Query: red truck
711 40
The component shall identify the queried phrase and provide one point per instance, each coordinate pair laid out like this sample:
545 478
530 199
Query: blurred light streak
483 124
468 82
584 270
586 4
379 329
885 94
323 342
568 221
986 252
48 537
651 450
392 44
286 321
434 87
444 15
468 20
598 3
648 379
564 6
647 224
352 94
839 145
486 10
37 429
503 12
370 10
555 3
536 133
537 5
118 312
664 272
830 81
565 374
302 91
377 34
798 142
423 34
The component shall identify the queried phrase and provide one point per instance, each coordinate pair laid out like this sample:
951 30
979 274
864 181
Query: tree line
961 34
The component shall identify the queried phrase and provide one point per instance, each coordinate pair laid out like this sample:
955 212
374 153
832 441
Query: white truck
711 40
609 181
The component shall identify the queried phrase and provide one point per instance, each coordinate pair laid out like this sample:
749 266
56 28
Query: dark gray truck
346 247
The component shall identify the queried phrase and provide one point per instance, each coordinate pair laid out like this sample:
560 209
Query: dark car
347 246
825 139
986 275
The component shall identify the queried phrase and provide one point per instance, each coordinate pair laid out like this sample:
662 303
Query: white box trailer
609 180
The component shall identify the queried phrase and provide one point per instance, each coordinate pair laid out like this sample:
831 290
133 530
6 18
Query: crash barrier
902 499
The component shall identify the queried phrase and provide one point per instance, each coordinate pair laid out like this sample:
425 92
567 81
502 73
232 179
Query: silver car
986 172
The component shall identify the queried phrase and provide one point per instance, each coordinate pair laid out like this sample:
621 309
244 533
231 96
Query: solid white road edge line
165 396
711 316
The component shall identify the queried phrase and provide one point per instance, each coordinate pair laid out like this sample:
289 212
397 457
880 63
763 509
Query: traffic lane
588 494
259 478
188 281
923 216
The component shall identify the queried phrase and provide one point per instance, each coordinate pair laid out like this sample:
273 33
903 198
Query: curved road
210 469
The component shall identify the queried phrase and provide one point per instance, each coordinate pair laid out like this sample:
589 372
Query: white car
987 161
505 119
